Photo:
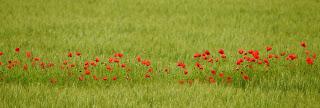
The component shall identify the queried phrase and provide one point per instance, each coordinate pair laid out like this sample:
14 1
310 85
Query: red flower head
17 50
105 78
97 59
181 64
314 56
221 51
213 72
207 52
211 80
185 71
78 53
114 78
240 51
110 60
245 77
221 75
28 54
150 70
269 48
116 60
123 65
210 60
250 51
70 54
36 59
307 52
239 61
109 68
283 53
196 55
146 62
303 44
81 78
95 77
223 56
309 60
147 76
199 65
291 57
1 53
87 72
25 67
138 58
255 54
118 55
266 61
271 56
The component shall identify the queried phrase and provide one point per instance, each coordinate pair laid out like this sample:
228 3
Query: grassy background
164 31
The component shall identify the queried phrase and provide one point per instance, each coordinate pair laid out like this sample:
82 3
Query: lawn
86 53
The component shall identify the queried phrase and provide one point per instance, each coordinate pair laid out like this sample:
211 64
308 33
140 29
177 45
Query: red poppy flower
314 56
283 53
81 78
245 77
93 63
78 54
210 60
150 70
199 65
196 55
118 55
146 62
303 44
221 75
1 63
181 64
266 61
123 65
109 68
17 50
36 59
240 51
309 60
87 72
147 76
207 52
307 52
269 48
260 62
221 51
291 57
185 72
105 78
211 80
250 51
213 72
95 77
114 78
110 60
1 53
70 54
138 58
28 54
116 60
270 56
239 61
97 59
25 67
255 54
223 56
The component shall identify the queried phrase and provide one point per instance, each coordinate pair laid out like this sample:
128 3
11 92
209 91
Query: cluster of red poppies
203 62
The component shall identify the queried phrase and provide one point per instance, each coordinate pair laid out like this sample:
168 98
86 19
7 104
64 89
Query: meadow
159 53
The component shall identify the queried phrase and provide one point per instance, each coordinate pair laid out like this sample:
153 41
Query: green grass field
164 32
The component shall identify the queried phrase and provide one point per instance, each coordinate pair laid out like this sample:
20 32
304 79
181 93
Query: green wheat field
160 53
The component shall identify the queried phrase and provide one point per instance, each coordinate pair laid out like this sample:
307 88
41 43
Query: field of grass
164 32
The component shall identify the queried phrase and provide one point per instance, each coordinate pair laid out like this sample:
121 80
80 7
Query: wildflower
309 60
303 44
78 54
36 59
283 53
25 67
110 60
221 75
109 68
146 62
87 72
291 57
1 53
266 61
270 56
211 80
138 58
114 78
123 65
97 59
269 48
199 65
185 72
196 55
229 79
210 60
213 72
255 54
95 77
240 51
147 76
221 51
223 56
150 70
81 78
105 78
181 64
70 54
17 50
314 56
28 54
207 52
245 77
239 61
118 55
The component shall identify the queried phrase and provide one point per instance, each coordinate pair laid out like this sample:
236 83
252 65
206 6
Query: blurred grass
164 31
